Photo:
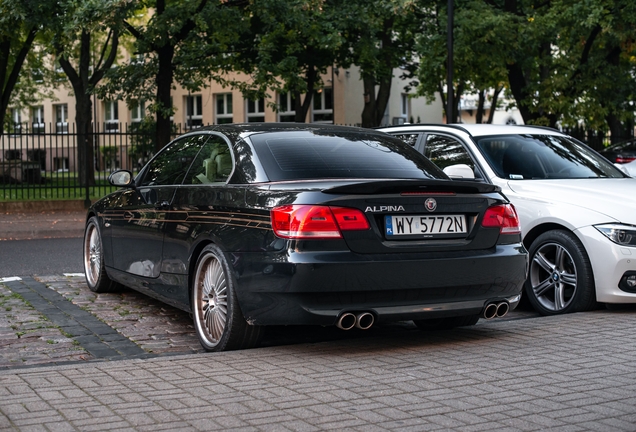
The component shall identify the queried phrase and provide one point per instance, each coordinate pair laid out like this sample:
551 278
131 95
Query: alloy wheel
211 307
553 277
92 255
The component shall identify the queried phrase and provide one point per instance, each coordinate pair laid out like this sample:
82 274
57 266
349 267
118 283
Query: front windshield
522 157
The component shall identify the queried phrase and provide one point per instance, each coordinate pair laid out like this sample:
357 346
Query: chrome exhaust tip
502 309
347 321
490 311
364 320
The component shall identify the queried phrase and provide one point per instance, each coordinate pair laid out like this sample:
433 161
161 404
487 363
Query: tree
83 38
288 45
20 23
479 65
381 36
183 41
569 61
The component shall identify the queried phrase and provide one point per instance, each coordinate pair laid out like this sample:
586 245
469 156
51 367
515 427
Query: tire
94 270
560 279
446 323
217 317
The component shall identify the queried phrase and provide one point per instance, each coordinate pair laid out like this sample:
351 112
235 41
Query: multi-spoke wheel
218 320
446 323
560 278
96 277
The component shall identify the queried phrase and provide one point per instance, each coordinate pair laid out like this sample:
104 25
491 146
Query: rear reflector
316 222
504 217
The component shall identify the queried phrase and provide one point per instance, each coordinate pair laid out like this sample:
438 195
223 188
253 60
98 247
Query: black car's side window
445 151
170 166
213 164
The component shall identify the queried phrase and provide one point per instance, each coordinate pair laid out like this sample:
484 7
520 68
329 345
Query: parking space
567 372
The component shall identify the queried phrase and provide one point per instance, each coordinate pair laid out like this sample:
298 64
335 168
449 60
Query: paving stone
571 372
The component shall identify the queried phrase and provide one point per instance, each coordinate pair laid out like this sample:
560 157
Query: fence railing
44 163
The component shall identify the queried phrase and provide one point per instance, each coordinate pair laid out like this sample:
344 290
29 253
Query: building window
60 164
323 106
194 112
15 126
287 108
61 118
404 110
137 111
37 120
111 116
224 108
255 110
405 105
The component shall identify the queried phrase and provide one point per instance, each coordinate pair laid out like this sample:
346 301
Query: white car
577 210
629 168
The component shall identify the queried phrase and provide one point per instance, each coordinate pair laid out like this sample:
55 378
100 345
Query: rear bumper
315 288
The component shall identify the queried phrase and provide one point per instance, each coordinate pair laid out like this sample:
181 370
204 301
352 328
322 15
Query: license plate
429 225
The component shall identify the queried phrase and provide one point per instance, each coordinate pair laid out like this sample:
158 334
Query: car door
446 152
138 224
203 199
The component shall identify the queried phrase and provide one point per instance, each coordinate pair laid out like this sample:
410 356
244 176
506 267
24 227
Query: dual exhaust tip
495 310
349 320
364 320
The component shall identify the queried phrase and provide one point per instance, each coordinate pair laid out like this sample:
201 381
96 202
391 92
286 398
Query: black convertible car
268 224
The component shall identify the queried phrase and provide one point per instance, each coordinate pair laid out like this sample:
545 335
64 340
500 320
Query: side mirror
459 171
121 178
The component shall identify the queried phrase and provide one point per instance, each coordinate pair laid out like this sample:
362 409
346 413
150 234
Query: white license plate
429 225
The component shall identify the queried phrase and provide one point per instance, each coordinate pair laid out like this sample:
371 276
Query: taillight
504 217
315 221
624 159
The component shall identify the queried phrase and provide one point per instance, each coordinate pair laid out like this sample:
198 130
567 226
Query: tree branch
13 77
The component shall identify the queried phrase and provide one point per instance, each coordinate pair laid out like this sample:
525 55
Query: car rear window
304 155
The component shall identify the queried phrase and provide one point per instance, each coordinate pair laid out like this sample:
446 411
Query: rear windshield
304 155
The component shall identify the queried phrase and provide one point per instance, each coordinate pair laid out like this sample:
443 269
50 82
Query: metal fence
43 163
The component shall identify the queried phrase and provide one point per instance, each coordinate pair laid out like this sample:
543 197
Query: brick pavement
572 372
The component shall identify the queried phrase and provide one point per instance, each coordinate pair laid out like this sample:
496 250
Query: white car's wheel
218 320
560 279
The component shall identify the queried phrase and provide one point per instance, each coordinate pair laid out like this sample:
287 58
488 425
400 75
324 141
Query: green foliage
564 61
285 46
20 24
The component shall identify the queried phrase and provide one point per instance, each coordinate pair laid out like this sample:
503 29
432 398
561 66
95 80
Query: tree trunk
303 109
384 92
83 110
480 107
375 102
493 104
163 81
518 87
9 78
457 99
